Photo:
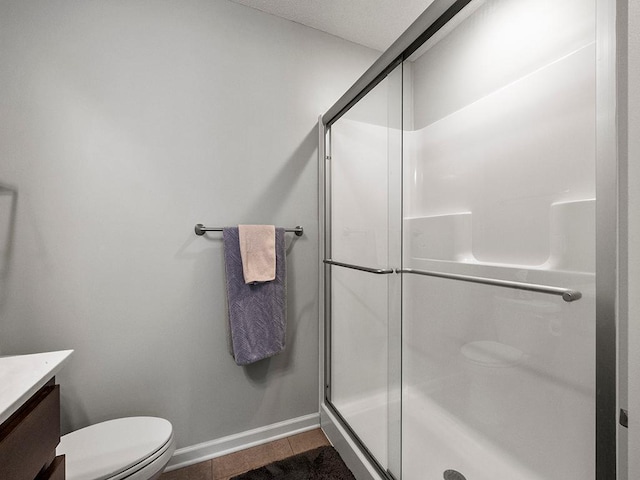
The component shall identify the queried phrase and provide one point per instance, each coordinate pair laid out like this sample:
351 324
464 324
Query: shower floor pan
528 433
450 425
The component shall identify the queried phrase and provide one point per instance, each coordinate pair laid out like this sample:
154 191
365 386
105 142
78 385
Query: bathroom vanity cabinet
30 417
28 438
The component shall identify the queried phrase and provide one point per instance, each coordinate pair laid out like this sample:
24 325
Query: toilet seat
117 449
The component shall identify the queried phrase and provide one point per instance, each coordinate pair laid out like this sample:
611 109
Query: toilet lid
104 450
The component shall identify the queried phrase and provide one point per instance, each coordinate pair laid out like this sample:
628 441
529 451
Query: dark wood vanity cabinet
28 438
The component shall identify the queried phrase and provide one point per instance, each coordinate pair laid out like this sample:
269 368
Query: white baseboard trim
201 452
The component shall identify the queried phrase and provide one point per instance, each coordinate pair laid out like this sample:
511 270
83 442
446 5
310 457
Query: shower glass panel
499 184
364 217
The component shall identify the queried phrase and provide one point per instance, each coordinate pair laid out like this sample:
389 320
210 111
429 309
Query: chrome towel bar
378 271
567 294
201 229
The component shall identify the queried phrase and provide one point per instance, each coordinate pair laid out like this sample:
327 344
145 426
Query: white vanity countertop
23 375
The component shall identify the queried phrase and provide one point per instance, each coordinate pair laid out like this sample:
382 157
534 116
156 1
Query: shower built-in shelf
450 238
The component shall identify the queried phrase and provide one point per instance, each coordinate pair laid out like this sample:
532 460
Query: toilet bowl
492 379
133 448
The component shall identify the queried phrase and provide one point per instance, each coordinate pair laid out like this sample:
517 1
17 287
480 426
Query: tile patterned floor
223 468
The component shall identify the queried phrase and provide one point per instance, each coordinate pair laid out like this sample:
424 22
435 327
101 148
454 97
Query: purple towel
257 312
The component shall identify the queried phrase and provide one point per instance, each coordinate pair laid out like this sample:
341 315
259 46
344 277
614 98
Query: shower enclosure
468 270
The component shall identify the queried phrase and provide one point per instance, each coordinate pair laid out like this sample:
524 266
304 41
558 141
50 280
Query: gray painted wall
123 125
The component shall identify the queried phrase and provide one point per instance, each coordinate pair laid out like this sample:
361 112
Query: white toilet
133 448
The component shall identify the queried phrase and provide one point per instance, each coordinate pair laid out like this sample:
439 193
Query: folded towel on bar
257 312
258 252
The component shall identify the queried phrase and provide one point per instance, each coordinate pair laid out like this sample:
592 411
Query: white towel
258 252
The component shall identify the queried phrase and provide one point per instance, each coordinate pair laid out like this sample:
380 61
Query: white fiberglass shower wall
461 250
500 159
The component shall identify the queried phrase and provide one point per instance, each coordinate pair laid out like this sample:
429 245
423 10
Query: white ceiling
373 23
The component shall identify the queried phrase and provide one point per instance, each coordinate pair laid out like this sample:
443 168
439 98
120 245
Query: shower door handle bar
377 271
568 295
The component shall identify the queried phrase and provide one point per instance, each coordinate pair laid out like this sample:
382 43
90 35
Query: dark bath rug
323 463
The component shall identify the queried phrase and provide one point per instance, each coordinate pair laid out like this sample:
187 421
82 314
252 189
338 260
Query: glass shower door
363 207
499 245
